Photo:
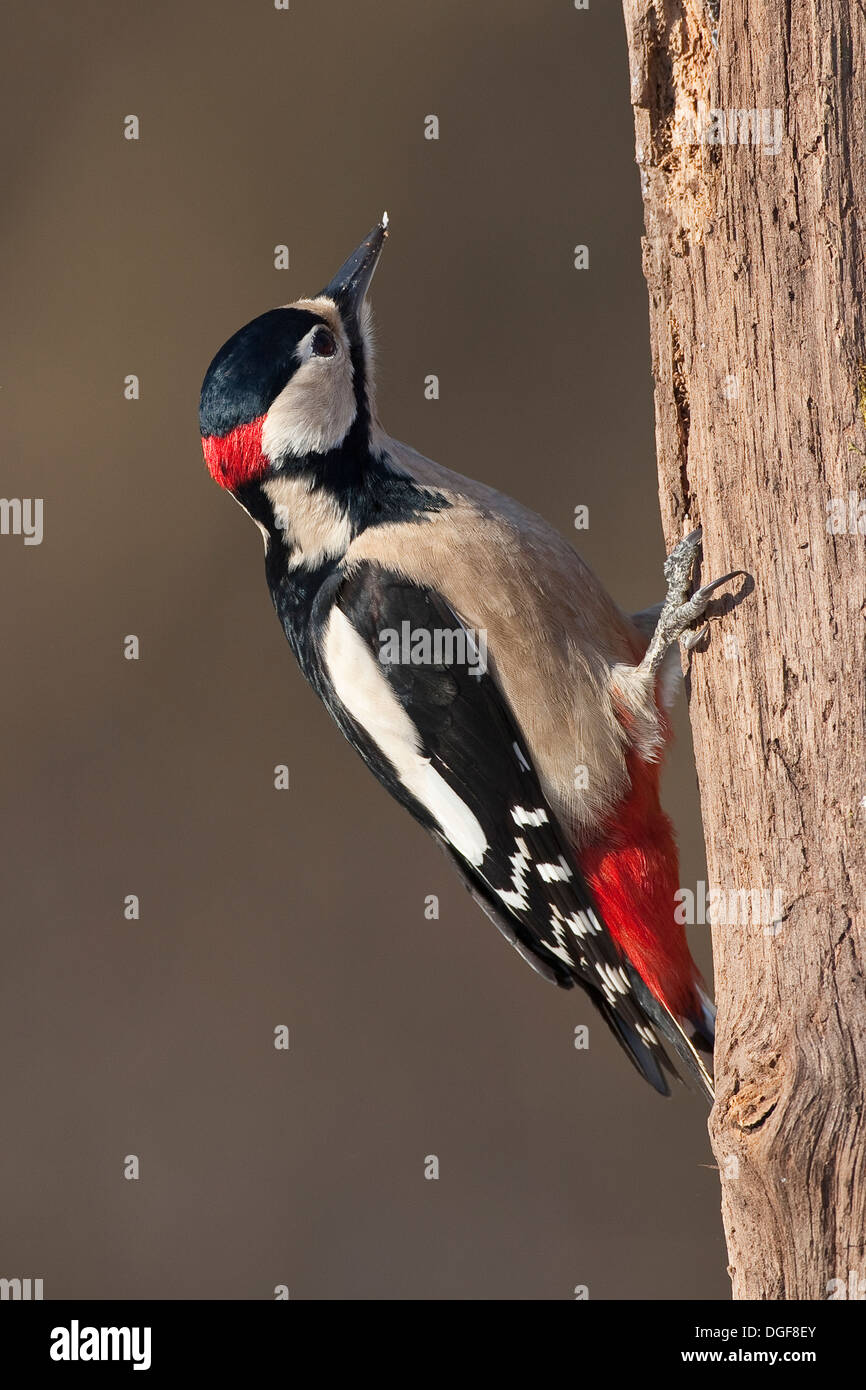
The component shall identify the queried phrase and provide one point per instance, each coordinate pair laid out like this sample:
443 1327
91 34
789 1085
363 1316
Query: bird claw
707 590
680 612
692 636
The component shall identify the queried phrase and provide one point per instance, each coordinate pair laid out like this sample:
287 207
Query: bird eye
323 344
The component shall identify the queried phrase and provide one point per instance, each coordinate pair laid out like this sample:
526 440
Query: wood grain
754 261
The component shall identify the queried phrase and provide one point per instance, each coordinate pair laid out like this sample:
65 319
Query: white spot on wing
520 758
578 924
646 1034
592 921
522 817
520 861
560 949
616 980
555 873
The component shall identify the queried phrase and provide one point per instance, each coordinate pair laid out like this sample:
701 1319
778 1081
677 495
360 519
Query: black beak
352 280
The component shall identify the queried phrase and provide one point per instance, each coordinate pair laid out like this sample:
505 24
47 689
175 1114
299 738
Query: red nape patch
236 458
633 873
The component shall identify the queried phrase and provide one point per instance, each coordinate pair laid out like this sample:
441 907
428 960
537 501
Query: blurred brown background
155 777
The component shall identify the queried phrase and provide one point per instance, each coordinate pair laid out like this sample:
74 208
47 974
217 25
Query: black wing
527 879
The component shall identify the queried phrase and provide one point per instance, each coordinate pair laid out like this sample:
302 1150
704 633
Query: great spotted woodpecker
474 662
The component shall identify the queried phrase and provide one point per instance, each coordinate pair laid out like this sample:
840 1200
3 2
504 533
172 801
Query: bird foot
679 611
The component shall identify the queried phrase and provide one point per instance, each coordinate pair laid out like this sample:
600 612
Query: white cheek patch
363 689
315 410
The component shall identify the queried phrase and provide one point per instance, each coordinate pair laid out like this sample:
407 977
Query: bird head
289 395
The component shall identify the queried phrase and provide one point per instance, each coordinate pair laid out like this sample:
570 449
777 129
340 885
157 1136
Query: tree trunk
751 153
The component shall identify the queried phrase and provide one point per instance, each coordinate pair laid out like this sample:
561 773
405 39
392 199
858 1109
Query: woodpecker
475 663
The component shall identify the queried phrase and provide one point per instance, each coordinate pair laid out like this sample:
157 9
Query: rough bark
754 260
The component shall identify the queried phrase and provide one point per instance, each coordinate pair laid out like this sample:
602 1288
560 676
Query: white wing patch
363 689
